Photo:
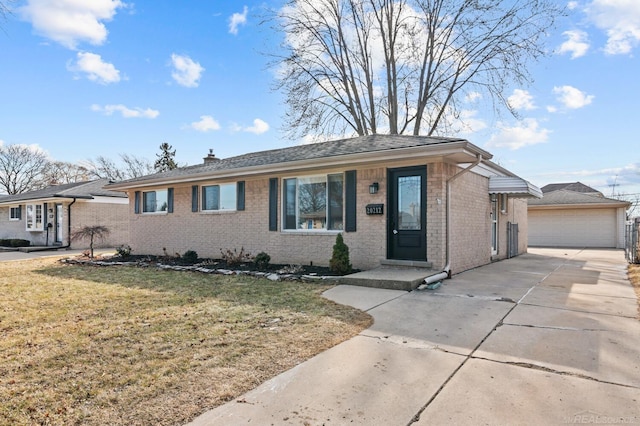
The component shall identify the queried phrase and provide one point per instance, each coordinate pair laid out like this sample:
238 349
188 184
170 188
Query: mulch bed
275 272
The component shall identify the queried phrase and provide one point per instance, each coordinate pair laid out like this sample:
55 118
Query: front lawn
139 346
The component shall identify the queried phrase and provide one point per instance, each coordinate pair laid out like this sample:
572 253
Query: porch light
373 188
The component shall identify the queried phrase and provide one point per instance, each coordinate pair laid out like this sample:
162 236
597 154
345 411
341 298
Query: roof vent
211 157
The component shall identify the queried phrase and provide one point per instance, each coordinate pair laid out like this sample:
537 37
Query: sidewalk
550 337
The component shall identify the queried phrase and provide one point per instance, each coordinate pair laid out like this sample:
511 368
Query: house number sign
375 208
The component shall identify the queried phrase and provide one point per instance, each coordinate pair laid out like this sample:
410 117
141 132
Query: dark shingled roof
87 190
572 186
358 145
566 197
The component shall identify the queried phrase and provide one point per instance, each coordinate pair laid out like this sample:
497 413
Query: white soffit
514 186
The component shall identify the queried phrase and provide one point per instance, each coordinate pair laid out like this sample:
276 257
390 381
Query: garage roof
565 197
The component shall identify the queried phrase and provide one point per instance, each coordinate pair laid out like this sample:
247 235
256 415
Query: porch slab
389 277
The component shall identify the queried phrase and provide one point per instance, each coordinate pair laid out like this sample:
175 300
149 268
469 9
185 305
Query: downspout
69 224
432 282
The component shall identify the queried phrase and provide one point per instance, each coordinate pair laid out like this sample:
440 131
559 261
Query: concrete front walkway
550 337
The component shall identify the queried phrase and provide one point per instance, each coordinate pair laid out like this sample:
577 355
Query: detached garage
582 217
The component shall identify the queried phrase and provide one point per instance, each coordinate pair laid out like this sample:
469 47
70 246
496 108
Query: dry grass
634 277
132 346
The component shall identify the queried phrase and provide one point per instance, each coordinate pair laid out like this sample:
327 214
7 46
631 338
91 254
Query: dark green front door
407 218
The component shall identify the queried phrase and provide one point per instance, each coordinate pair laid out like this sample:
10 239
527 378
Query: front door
58 223
407 214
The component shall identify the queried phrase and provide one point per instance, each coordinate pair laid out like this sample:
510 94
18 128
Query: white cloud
206 124
259 127
237 19
125 111
620 19
572 5
70 22
96 69
577 43
526 133
186 72
521 99
572 98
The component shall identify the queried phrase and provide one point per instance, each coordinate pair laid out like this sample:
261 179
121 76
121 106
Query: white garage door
572 228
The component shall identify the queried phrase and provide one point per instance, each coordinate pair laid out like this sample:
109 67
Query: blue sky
81 79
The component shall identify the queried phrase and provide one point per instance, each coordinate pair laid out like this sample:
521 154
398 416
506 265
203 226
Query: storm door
406 235
58 223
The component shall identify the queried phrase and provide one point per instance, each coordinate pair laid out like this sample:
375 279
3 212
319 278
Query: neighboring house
47 217
391 196
576 215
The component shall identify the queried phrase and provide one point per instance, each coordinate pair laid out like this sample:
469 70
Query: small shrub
262 260
5 242
190 257
235 257
17 242
339 262
124 251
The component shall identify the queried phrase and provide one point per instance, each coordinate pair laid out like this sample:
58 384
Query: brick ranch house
425 201
47 217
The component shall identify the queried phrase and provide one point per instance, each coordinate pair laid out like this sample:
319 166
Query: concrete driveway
550 337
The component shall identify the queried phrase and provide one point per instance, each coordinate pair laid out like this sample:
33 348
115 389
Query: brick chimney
211 157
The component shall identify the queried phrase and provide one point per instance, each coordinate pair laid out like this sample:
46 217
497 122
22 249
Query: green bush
5 242
190 257
17 242
262 260
339 262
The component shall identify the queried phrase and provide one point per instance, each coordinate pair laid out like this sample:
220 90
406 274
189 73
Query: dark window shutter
45 215
20 212
350 201
194 198
136 202
240 195
273 204
170 200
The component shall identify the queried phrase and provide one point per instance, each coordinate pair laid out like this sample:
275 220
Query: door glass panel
409 208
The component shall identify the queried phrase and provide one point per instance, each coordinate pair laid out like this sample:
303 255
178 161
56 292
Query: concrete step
390 277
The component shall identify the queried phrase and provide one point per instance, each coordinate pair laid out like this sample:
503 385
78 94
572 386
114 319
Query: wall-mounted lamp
373 188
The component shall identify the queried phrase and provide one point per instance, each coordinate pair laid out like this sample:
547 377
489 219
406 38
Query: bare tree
130 167
21 168
61 172
5 10
402 66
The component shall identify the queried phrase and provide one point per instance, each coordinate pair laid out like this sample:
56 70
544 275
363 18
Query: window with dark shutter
170 200
240 195
273 204
194 198
350 201
136 202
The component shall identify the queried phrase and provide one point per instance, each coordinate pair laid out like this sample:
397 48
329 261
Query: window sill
153 213
35 230
205 212
311 232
